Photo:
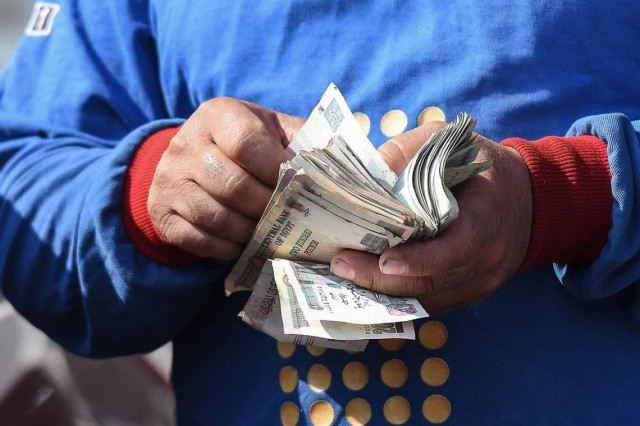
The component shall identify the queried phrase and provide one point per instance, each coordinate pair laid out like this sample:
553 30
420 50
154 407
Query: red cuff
137 221
572 202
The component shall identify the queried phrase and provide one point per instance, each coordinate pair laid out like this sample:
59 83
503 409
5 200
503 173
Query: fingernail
394 267
343 269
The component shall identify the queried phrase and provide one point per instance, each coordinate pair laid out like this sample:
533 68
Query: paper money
324 296
295 321
337 193
424 184
291 231
333 117
263 312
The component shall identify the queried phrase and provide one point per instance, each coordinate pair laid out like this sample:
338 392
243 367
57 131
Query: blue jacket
75 105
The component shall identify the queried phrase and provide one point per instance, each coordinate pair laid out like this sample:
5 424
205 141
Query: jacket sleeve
74 107
586 203
618 266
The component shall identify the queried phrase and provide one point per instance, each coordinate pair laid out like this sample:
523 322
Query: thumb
398 151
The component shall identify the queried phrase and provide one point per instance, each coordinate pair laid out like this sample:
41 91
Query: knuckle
271 116
162 175
235 186
181 186
247 145
210 114
369 279
224 102
374 283
206 106
214 104
222 108
157 209
178 145
428 286
418 288
219 219
168 227
286 120
196 207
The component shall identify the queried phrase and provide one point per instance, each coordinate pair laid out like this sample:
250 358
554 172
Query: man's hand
216 177
475 255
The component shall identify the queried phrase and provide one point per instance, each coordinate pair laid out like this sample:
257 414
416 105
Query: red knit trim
137 221
572 201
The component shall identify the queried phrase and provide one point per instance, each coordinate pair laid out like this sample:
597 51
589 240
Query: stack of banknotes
337 193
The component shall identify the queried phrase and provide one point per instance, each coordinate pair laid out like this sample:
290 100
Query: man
117 221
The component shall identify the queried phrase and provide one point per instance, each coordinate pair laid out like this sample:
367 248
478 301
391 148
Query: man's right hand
475 254
215 179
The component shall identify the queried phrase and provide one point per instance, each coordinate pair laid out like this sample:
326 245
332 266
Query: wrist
571 194
137 222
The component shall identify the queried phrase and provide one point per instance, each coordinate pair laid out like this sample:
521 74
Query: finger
290 125
244 138
180 233
269 118
257 151
230 184
459 245
205 213
423 258
397 152
282 126
362 269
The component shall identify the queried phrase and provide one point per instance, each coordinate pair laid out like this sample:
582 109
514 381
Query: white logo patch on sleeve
41 20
